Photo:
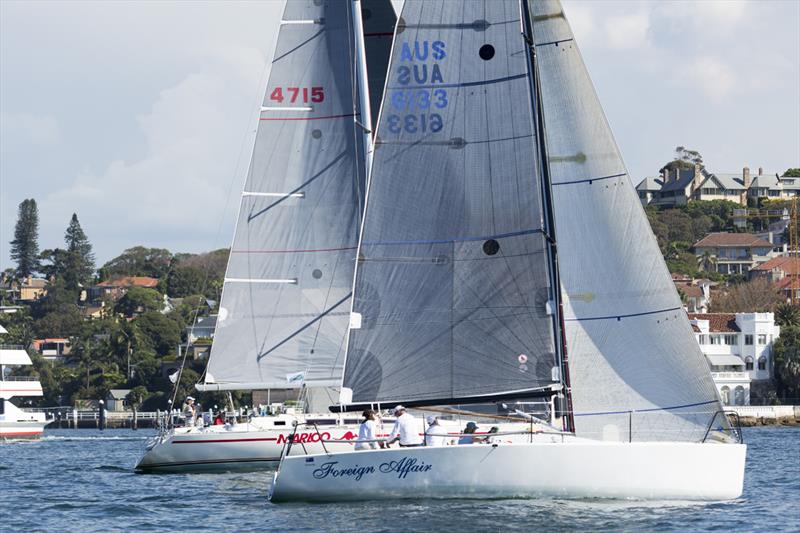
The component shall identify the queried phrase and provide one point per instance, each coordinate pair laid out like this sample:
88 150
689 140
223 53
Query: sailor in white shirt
366 432
405 429
435 435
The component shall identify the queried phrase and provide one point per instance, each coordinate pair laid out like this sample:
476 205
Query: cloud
30 128
627 31
195 132
712 76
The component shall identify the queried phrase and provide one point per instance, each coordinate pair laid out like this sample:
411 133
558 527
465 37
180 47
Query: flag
174 377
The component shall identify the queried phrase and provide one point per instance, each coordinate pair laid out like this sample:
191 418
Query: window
738 395
748 340
702 339
715 339
731 340
748 363
762 340
725 392
762 363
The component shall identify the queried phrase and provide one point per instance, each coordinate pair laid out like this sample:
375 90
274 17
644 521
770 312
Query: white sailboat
284 308
15 422
505 254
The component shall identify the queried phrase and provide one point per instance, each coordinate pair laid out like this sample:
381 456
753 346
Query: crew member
435 435
366 432
189 411
405 429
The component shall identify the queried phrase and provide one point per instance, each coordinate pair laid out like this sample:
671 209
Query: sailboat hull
574 468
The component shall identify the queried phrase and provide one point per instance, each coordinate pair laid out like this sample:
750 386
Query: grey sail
286 299
633 360
451 286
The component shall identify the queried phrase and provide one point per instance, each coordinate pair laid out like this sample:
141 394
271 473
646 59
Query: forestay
286 299
633 360
451 286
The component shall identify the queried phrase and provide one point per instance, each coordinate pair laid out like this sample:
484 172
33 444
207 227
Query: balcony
731 376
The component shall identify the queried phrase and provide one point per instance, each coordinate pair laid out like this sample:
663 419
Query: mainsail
637 372
286 299
451 289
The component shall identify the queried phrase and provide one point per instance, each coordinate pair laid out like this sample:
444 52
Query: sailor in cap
435 435
189 411
405 429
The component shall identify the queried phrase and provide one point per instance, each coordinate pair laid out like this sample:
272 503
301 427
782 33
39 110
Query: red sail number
303 95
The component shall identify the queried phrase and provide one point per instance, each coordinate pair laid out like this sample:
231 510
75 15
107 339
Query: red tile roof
130 281
789 265
731 239
691 291
718 322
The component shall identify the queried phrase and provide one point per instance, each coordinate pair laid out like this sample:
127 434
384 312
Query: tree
25 246
53 263
757 296
787 363
79 259
139 300
684 159
707 261
138 261
161 332
787 315
185 281
792 173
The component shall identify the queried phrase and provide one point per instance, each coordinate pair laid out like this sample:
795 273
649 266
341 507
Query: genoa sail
636 370
451 289
286 299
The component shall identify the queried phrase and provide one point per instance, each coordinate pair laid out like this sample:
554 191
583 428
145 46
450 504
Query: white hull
28 429
575 468
255 446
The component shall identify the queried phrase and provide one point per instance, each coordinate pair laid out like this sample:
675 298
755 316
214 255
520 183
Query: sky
140 116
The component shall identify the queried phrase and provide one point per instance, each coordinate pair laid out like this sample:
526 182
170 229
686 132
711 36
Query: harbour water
83 480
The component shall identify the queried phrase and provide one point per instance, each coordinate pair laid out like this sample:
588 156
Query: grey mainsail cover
633 359
451 285
286 299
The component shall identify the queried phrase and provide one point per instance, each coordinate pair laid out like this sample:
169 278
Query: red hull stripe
18 433
308 118
222 440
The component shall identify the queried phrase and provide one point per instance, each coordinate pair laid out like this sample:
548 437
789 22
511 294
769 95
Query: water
83 481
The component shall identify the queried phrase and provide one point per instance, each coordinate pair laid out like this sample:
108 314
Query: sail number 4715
298 94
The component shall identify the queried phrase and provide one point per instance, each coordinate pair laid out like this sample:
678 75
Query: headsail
451 285
634 362
286 300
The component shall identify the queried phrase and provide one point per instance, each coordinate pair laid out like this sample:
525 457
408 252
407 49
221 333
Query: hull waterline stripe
310 118
456 239
620 317
647 410
209 462
464 84
590 180
297 251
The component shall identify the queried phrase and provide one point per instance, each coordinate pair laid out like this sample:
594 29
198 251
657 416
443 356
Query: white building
738 348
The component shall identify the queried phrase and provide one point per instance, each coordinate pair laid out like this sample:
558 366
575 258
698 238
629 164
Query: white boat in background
17 423
505 254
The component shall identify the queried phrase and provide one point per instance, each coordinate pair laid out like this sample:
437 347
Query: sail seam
590 180
619 317
457 239
464 84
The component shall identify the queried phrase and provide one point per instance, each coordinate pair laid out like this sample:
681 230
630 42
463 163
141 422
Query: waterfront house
738 348
734 253
784 271
52 349
203 328
28 290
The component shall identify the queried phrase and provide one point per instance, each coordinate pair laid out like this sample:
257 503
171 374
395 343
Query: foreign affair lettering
402 468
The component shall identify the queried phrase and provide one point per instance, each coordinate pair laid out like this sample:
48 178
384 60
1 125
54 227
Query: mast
362 116
557 310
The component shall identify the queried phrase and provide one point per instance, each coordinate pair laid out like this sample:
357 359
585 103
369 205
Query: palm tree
787 315
707 262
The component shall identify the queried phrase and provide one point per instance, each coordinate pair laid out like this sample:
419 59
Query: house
696 296
733 253
116 400
784 271
52 349
117 287
29 290
679 186
738 348
203 329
